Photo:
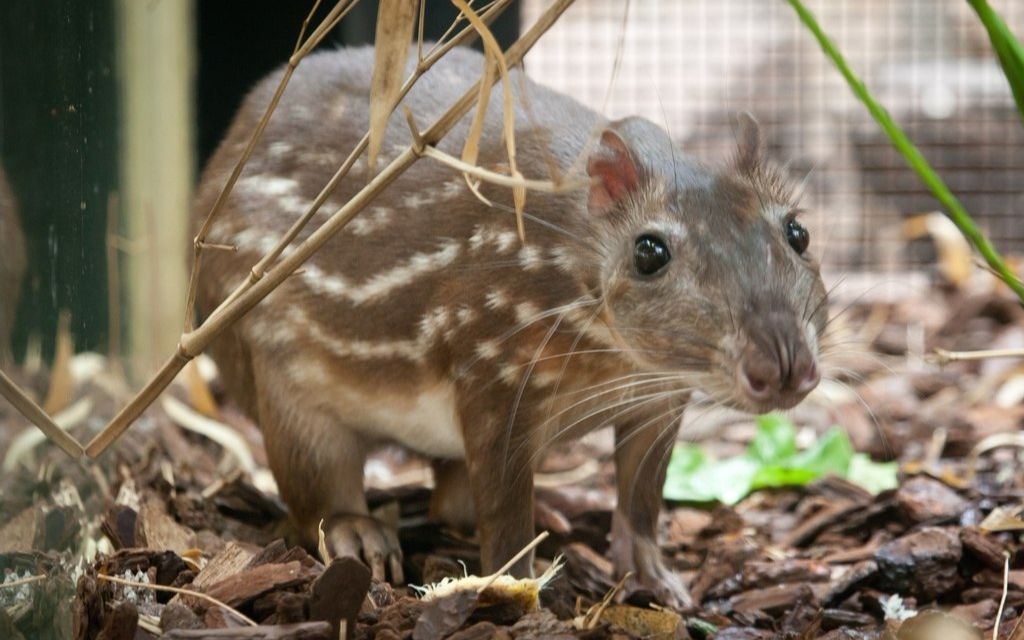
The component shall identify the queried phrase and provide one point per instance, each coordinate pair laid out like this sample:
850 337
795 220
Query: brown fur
426 321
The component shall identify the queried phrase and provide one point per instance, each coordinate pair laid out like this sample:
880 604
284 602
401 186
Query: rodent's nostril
759 375
810 379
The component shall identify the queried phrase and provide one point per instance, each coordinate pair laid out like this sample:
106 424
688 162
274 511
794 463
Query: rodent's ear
748 140
614 173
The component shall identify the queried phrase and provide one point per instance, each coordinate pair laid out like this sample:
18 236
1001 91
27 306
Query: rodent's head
705 274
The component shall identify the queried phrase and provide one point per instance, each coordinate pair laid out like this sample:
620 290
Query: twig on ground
516 558
942 356
187 592
21 581
1006 590
594 614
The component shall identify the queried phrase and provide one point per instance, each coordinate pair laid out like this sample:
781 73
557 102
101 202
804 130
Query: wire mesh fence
691 65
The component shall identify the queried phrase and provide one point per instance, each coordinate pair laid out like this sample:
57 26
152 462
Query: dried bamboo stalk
193 342
38 417
332 18
436 53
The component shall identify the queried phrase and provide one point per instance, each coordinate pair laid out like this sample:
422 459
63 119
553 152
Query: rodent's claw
368 539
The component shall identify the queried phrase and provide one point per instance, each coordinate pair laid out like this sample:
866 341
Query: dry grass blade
188 592
222 434
501 179
493 50
396 20
193 342
471 150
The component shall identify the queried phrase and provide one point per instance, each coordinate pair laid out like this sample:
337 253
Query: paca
426 322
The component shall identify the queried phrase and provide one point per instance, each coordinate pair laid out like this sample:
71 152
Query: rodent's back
425 240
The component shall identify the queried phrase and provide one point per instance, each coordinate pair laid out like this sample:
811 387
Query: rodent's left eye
797 236
650 255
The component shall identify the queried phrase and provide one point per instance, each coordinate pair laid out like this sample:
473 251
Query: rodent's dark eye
650 255
797 236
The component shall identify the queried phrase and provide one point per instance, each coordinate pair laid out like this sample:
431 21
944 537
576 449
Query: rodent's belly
425 421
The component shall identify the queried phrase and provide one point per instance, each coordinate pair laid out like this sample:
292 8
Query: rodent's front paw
665 584
368 539
642 556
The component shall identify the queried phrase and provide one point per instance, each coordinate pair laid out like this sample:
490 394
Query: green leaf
1007 47
775 439
692 477
771 461
876 477
830 454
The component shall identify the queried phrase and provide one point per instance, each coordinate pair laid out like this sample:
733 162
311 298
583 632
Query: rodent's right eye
650 255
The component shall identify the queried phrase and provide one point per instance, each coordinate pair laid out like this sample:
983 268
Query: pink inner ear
614 171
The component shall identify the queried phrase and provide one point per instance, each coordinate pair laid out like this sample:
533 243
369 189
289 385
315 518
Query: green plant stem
1007 48
954 209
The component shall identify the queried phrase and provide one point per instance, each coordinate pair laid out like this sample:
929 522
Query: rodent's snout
777 371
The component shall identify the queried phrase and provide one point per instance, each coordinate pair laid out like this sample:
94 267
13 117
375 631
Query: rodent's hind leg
641 458
318 464
452 499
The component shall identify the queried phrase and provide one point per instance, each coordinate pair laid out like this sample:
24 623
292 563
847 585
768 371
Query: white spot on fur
377 286
464 314
418 200
501 240
372 220
434 322
495 299
526 312
267 185
540 379
414 350
278 149
562 259
509 374
530 258
453 189
488 349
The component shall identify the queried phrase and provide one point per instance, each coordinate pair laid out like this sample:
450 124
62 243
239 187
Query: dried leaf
199 394
644 623
954 252
445 615
493 50
1003 519
471 150
62 382
396 20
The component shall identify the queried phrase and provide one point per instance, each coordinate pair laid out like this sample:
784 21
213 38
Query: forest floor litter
177 532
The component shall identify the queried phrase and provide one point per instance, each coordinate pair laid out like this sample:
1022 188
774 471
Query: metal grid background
691 65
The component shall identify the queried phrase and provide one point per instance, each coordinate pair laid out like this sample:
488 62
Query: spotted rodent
12 263
427 323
